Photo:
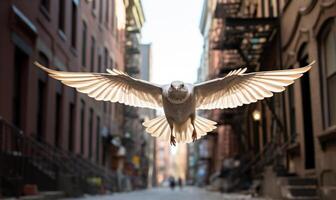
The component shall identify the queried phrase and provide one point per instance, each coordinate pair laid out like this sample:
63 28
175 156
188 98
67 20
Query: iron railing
49 159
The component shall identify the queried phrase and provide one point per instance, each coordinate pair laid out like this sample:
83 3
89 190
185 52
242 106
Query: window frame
93 53
61 16
45 9
330 25
101 12
84 43
74 24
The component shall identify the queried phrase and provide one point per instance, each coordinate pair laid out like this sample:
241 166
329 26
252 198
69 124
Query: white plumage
180 100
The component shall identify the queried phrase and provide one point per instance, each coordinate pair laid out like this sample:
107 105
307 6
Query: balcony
238 29
133 64
134 70
132 43
132 48
225 8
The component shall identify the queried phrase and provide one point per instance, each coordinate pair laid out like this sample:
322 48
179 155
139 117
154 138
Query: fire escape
132 58
133 139
242 38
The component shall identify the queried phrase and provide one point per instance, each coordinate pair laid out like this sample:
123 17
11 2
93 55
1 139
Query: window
111 63
106 58
264 125
58 116
45 4
113 16
328 52
291 101
74 25
90 132
82 126
107 12
61 15
99 64
92 53
93 5
256 142
71 126
84 34
100 11
98 139
41 98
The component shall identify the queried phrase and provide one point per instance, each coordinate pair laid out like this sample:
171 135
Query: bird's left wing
238 88
114 86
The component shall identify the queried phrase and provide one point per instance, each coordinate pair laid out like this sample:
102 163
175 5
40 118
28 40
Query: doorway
307 117
19 78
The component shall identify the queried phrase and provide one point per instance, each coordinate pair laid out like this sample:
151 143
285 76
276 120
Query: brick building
72 36
287 139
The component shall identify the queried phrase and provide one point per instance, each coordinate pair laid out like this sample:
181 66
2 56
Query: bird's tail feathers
159 127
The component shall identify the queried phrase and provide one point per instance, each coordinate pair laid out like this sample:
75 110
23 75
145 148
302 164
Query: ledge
328 137
62 35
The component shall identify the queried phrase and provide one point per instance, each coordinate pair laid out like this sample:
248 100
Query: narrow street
188 193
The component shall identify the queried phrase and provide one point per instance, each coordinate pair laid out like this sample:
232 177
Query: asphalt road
187 193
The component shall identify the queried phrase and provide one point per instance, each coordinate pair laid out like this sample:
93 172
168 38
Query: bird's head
177 86
178 92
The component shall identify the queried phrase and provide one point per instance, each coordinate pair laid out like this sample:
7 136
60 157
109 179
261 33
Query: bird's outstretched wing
238 88
114 86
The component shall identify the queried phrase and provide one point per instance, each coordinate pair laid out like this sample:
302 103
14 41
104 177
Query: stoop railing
52 161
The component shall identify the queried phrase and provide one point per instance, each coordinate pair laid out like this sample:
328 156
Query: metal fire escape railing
49 159
241 33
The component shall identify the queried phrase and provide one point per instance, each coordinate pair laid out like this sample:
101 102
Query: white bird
180 100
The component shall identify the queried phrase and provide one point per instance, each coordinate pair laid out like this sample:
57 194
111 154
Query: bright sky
173 29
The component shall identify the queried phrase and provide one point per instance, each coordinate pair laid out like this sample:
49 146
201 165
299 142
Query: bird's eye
182 85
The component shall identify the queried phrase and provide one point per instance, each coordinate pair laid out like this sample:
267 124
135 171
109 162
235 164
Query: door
307 118
19 78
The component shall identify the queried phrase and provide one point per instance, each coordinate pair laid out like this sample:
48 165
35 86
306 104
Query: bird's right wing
114 86
238 88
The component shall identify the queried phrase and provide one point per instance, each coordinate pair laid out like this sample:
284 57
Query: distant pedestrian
172 182
180 182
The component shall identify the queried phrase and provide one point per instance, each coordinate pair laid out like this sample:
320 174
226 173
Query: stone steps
53 195
296 188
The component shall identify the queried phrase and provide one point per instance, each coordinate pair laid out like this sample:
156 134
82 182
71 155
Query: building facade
310 111
136 141
287 139
87 36
147 114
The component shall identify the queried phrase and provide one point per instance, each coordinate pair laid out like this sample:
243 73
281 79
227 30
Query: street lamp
256 118
256 115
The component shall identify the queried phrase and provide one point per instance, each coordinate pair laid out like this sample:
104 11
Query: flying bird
180 100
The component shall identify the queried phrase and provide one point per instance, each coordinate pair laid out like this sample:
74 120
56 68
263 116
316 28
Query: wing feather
114 86
238 88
